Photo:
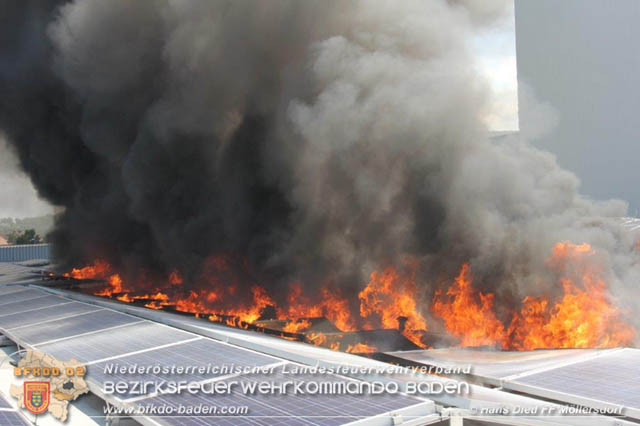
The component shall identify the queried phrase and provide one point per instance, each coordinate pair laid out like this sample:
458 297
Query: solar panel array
613 378
21 296
9 416
12 418
30 304
115 343
290 409
49 313
194 354
493 366
77 325
11 272
10 289
99 336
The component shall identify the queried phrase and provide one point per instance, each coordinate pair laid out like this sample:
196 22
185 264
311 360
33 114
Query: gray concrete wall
583 58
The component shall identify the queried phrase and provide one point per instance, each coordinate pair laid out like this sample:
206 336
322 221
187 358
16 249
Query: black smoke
310 141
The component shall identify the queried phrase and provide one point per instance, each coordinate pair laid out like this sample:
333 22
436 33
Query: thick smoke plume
314 141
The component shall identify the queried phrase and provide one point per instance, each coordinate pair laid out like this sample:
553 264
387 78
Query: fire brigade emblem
36 396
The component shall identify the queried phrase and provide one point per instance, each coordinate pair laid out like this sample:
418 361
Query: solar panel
12 418
11 273
12 268
3 402
200 353
492 366
112 343
66 308
309 409
72 326
18 296
613 378
10 289
31 304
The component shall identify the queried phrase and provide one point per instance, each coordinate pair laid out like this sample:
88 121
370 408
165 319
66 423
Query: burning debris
390 314
297 326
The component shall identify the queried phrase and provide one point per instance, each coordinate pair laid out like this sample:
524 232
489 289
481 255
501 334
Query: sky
496 60
495 51
18 197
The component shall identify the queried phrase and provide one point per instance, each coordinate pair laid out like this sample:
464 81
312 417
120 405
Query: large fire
583 318
581 315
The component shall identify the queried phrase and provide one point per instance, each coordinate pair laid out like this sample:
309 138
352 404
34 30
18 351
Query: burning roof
579 314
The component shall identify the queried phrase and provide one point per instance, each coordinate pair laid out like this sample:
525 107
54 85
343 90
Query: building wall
582 57
24 252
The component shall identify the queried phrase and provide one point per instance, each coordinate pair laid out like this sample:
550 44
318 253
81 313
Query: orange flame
334 342
332 305
297 326
125 298
158 300
116 284
318 339
389 296
361 348
583 318
469 318
99 270
153 305
159 296
582 315
175 278
192 303
205 301
260 301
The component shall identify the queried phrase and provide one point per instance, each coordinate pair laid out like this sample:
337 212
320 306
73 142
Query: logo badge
36 396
